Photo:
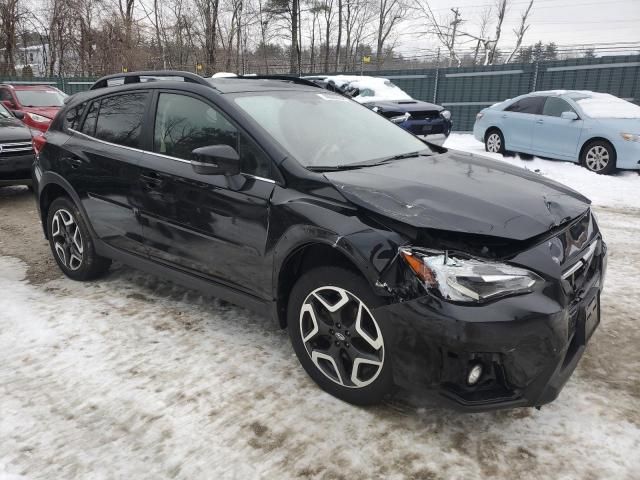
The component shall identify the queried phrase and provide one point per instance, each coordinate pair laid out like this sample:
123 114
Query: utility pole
456 21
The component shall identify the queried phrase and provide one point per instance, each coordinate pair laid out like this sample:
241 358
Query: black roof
187 80
223 85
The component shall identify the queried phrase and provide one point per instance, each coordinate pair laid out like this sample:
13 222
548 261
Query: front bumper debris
528 345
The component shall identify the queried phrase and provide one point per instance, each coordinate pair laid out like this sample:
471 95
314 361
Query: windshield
40 98
327 130
4 113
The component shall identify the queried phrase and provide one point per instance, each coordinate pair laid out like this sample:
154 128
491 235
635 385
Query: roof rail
286 78
134 77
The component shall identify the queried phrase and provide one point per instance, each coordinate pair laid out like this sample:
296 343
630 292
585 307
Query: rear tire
336 337
71 242
494 141
599 156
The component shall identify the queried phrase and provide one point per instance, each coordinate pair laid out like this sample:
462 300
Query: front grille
15 149
425 115
425 129
578 274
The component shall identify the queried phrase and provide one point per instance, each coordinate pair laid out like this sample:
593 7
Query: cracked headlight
456 278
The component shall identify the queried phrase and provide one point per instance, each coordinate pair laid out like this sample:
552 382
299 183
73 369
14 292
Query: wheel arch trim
596 138
51 178
301 237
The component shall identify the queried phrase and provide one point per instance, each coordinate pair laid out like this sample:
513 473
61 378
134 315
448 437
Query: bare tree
9 22
520 32
501 12
390 14
328 13
208 9
339 40
444 29
359 14
126 15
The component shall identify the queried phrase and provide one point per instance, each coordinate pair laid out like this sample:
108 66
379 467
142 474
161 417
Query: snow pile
618 190
604 105
223 75
132 377
372 89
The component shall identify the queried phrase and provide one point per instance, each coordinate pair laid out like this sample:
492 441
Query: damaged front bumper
527 346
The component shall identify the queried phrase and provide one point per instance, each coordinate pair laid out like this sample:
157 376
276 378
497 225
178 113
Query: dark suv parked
395 266
16 150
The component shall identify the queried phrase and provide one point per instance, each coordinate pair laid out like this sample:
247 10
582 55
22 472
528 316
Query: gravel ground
133 377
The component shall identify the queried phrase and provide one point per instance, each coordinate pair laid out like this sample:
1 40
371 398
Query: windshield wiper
402 156
334 168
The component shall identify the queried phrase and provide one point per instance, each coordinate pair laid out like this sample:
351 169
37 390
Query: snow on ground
618 190
133 377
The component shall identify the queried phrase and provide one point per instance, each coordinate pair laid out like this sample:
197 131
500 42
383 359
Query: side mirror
18 114
569 116
9 104
216 160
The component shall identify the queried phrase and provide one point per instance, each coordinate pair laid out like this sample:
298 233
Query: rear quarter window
73 117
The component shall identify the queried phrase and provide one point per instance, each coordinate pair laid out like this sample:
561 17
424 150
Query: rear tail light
39 141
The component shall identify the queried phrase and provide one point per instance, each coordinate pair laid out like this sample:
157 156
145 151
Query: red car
36 105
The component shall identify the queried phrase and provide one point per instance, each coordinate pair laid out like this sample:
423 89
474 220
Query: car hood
623 125
48 112
12 129
403 106
460 192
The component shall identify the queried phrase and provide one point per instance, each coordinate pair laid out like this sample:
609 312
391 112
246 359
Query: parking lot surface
133 377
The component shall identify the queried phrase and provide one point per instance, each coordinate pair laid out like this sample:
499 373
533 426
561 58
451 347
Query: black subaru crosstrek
395 265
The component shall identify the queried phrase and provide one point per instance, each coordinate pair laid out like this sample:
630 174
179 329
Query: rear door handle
73 161
540 122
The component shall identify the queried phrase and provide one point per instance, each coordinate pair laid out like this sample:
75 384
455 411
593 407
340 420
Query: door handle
152 181
540 122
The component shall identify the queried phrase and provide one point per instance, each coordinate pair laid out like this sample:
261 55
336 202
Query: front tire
599 156
336 337
494 141
71 242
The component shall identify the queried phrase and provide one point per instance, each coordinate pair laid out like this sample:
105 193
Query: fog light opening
474 374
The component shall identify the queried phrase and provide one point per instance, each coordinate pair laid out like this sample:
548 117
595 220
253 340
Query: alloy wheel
341 337
597 158
67 239
494 143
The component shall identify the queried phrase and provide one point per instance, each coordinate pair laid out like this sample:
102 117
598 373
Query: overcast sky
565 22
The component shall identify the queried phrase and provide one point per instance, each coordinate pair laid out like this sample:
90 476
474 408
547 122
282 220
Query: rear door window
120 119
532 105
554 107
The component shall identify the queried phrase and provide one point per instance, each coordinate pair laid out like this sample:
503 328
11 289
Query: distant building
36 56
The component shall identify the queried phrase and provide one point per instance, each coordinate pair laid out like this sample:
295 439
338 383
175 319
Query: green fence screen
466 91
